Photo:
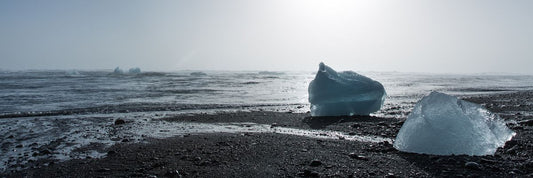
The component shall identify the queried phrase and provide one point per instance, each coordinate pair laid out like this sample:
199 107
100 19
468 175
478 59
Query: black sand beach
278 155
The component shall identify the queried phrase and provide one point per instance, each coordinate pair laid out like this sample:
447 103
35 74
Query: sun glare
320 8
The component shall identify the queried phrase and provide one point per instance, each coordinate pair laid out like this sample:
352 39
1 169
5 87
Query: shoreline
283 155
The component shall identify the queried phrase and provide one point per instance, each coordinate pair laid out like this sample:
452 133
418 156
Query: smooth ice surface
334 93
441 124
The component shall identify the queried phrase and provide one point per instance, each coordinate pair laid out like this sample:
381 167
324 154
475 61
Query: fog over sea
67 112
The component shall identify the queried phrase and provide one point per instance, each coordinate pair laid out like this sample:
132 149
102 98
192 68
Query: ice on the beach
72 72
197 74
118 71
334 93
135 70
441 124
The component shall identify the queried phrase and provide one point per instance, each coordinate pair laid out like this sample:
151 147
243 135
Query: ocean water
70 114
37 93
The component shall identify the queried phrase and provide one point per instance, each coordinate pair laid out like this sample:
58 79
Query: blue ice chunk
334 93
118 71
135 70
441 124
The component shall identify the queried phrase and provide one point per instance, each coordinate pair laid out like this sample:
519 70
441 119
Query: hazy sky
450 36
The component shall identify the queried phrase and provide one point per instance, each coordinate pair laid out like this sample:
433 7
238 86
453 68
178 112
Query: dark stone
19 146
308 173
103 170
314 174
119 121
315 163
527 122
355 125
473 166
11 136
517 171
529 163
390 175
518 128
173 174
451 160
197 159
125 140
204 163
485 160
359 157
512 150
223 144
387 144
112 152
304 173
141 170
511 143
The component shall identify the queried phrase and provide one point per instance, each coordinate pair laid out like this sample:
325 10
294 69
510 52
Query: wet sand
282 155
